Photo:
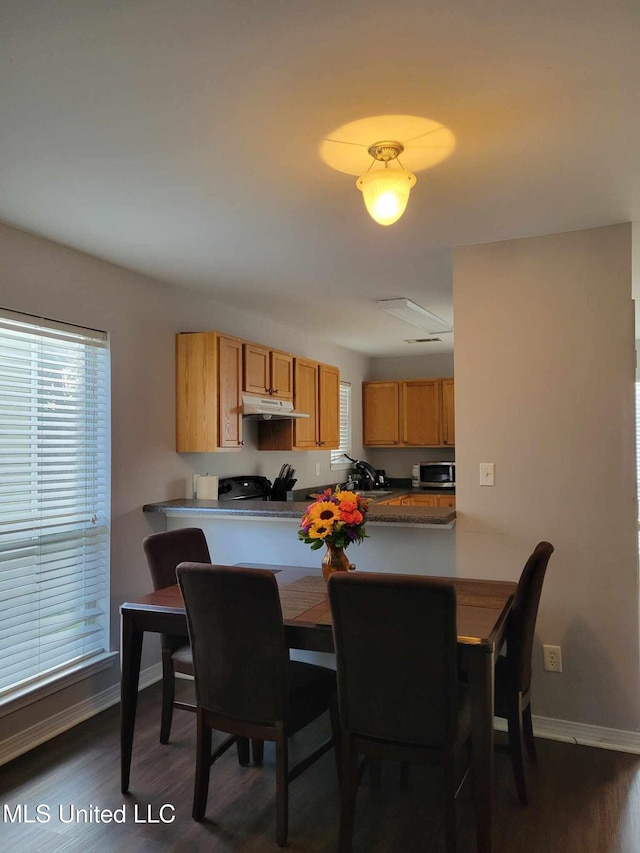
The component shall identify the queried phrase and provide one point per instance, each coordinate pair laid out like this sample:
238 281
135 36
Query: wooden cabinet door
196 392
448 413
446 500
281 375
419 500
257 369
328 406
230 390
305 396
420 407
380 413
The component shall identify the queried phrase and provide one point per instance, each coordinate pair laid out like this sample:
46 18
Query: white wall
435 366
544 388
544 369
142 317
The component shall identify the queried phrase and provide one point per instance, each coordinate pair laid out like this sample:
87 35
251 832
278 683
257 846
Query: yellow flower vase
335 560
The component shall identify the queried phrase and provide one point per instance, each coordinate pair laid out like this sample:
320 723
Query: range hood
266 409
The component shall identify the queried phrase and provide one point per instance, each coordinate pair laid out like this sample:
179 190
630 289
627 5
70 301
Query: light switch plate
317 469
487 473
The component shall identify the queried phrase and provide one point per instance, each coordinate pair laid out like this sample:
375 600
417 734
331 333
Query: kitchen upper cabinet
448 413
316 391
408 413
420 412
267 372
229 387
208 392
381 413
328 407
305 386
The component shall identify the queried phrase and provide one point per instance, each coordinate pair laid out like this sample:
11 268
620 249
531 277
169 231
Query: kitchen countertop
413 515
386 494
395 488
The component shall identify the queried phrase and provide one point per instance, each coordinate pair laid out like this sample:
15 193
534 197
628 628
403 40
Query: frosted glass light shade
386 193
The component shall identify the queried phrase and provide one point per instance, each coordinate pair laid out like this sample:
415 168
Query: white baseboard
28 739
544 727
581 733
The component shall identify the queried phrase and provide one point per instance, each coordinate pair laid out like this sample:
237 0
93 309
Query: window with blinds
638 451
54 500
338 459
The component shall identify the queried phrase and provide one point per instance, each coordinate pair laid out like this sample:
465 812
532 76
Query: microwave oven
434 475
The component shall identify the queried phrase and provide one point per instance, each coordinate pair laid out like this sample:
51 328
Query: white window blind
638 451
54 499
338 459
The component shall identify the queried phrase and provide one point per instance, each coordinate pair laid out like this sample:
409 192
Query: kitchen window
638 453
54 506
338 458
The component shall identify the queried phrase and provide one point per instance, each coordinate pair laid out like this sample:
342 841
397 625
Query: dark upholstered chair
398 692
513 671
246 685
163 552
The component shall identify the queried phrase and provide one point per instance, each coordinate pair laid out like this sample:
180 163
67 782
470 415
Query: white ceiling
180 139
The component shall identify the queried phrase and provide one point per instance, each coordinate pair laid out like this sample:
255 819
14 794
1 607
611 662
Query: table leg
131 652
481 685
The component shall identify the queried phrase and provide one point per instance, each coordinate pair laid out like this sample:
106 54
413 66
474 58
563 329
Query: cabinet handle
268 391
241 443
275 391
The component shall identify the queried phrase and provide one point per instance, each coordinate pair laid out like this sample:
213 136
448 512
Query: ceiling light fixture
408 311
386 182
386 191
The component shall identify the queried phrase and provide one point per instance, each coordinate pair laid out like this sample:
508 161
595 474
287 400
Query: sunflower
325 511
319 530
348 497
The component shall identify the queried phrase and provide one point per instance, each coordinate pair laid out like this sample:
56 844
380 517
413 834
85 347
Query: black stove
249 488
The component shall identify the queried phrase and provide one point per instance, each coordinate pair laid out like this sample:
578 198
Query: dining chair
398 692
246 686
513 670
163 552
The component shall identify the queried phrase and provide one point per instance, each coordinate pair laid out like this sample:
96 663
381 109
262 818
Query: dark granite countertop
396 488
294 509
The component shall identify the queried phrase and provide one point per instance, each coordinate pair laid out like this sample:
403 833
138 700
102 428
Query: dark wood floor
583 800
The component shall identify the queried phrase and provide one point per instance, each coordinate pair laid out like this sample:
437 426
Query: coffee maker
368 476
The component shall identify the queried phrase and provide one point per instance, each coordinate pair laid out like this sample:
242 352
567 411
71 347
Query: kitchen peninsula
410 539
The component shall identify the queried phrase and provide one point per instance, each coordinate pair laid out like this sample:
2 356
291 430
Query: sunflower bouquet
335 518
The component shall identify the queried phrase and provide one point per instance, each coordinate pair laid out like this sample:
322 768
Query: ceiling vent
422 340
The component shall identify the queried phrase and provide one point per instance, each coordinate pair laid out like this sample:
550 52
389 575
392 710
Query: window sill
56 683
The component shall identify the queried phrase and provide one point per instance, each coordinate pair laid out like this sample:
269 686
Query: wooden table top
482 605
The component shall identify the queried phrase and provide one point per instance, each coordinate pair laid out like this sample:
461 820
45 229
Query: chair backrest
237 639
522 619
395 639
165 550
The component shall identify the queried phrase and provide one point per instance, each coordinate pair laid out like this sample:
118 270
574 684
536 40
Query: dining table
483 607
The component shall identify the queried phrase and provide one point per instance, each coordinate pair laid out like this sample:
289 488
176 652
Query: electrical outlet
317 469
552 658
